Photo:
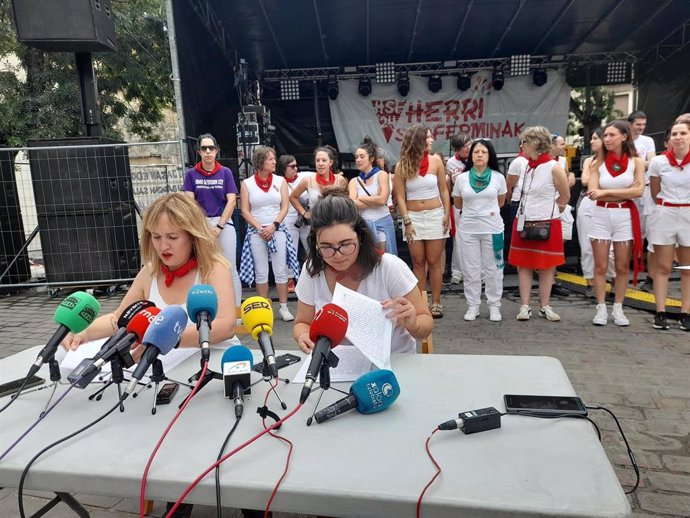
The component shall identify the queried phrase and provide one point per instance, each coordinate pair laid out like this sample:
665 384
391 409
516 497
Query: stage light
385 73
435 83
364 86
519 64
539 77
289 90
497 79
617 72
464 81
332 88
403 84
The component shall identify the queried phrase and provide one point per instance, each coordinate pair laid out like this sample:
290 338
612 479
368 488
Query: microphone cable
219 507
20 490
198 479
433 478
15 395
142 494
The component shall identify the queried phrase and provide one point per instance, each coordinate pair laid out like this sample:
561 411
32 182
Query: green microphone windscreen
77 311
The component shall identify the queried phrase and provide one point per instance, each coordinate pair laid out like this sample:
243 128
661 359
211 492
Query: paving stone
675 482
668 504
97 501
677 462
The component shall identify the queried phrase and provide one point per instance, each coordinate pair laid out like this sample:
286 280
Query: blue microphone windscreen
237 353
165 331
202 297
375 391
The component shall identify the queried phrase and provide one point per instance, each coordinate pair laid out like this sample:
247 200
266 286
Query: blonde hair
540 135
185 214
412 151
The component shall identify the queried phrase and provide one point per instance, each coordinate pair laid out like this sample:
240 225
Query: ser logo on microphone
255 305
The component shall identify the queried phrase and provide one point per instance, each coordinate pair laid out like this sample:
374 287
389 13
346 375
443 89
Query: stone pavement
642 375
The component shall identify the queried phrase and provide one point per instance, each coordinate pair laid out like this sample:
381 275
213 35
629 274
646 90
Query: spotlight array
385 73
519 64
289 90
617 72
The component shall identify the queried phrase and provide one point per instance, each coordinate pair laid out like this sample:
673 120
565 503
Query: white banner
480 111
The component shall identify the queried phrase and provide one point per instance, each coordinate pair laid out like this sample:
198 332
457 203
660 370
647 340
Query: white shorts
428 224
611 224
669 226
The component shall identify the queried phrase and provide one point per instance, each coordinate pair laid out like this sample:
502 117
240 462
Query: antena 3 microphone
327 331
74 314
370 393
257 317
202 306
236 366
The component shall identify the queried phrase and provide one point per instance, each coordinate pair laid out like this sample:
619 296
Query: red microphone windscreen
331 322
141 321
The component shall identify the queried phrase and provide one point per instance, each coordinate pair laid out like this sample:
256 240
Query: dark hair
202 137
283 162
636 115
369 147
332 154
333 209
459 140
493 158
260 156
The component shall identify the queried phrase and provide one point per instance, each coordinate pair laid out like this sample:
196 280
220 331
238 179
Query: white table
352 466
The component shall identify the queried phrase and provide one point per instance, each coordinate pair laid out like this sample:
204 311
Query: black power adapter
474 421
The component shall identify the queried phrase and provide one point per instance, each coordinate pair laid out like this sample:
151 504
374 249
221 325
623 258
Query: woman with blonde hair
178 250
424 205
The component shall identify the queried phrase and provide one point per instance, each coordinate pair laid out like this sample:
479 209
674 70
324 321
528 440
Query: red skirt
538 255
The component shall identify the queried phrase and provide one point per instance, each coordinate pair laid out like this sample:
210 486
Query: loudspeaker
79 179
11 226
90 246
65 25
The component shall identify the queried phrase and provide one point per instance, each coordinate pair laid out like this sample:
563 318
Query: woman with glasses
213 187
456 165
370 192
296 225
342 250
480 193
424 204
264 199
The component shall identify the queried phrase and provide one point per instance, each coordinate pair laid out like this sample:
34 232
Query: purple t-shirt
210 191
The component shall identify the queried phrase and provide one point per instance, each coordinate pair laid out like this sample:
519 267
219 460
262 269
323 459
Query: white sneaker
285 314
549 314
601 318
619 317
472 313
456 278
525 312
495 314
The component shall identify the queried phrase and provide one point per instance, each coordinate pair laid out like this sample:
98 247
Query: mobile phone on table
166 393
544 405
281 361
11 387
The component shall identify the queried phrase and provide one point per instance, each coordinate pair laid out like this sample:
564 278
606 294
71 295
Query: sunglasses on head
207 148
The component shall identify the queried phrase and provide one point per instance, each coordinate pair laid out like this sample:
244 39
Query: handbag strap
523 194
363 187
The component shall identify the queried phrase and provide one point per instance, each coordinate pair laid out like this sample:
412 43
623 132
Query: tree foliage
39 95
584 116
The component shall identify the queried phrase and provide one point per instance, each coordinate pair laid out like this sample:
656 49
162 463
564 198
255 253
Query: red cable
438 472
227 456
142 495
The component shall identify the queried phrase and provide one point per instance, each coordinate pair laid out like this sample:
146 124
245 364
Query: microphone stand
266 376
118 363
55 377
157 376
329 360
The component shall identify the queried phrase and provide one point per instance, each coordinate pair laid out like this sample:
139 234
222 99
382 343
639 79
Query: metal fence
70 210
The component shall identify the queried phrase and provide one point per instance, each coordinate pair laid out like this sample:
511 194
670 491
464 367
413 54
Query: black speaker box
79 179
90 246
11 226
65 25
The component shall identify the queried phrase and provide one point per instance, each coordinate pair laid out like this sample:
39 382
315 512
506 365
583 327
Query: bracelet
406 220
276 224
220 226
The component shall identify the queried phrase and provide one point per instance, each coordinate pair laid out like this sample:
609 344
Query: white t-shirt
265 206
292 211
390 279
480 211
675 183
644 145
517 168
454 167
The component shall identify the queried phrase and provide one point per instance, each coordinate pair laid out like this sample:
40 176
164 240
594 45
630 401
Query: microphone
370 393
74 314
327 330
202 306
160 338
237 363
125 318
257 317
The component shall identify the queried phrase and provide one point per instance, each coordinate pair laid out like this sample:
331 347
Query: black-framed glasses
207 148
327 251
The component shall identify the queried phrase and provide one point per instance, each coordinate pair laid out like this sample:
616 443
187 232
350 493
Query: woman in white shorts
424 204
669 225
616 179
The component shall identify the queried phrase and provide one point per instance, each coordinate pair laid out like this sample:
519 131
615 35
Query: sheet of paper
368 329
89 350
351 365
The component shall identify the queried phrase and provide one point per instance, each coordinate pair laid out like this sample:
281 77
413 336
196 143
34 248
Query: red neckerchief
541 159
671 156
183 270
199 168
264 185
325 183
616 166
424 164
520 153
290 180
